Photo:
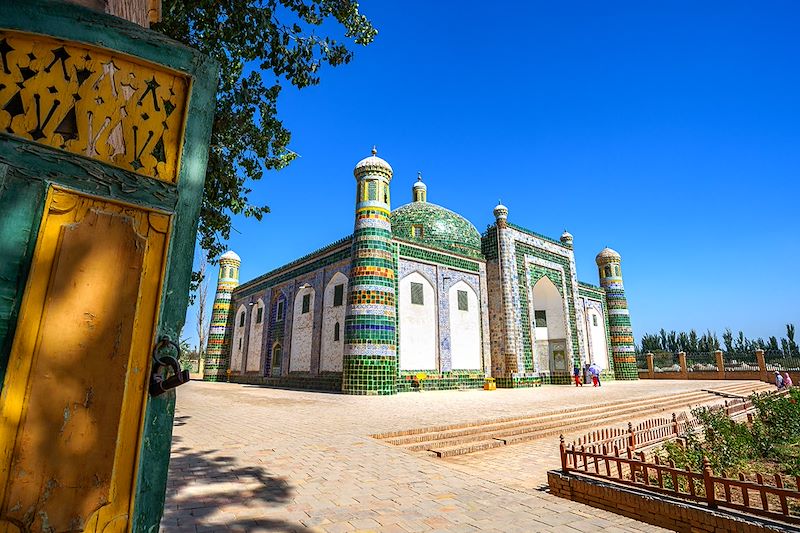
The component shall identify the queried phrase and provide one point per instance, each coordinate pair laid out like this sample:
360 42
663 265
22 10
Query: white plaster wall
302 330
256 333
417 326
597 334
547 298
238 338
465 329
331 351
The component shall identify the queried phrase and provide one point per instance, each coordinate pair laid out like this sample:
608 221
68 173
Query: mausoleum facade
418 295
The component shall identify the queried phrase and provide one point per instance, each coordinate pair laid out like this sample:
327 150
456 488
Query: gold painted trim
31 319
94 102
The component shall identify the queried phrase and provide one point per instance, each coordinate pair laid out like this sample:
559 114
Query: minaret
512 362
622 347
566 239
370 337
218 334
419 192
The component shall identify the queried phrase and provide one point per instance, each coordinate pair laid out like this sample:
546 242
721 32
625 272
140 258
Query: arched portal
237 346
465 328
302 330
417 302
598 343
549 324
334 304
253 361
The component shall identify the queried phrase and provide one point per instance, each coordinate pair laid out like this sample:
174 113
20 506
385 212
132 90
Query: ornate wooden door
104 131
71 413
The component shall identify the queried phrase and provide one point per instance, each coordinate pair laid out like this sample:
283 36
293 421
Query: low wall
327 382
760 371
655 509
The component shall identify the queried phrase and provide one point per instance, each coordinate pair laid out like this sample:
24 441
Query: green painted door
104 131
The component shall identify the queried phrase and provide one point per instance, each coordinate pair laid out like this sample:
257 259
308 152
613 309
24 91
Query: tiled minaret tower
370 339
217 348
622 347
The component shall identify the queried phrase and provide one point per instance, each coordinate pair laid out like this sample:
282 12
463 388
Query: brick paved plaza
255 459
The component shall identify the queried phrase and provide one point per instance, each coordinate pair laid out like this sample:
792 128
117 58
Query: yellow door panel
72 403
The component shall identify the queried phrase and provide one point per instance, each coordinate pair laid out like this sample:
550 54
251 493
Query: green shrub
774 437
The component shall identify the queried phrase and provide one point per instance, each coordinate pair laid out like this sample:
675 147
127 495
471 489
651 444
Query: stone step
482 426
740 391
421 442
536 431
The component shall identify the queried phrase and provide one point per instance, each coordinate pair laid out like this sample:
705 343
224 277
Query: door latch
158 383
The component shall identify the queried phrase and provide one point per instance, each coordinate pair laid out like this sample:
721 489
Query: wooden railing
654 430
757 497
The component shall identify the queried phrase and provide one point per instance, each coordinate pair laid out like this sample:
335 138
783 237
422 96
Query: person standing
595 371
787 380
576 375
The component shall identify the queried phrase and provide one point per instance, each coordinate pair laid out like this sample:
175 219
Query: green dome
441 228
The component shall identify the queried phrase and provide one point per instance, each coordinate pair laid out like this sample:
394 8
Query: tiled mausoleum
418 295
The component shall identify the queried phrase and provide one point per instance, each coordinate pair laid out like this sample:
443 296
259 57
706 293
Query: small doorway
558 356
277 361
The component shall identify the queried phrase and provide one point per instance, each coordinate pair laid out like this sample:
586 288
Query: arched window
241 319
336 331
277 359
608 271
616 271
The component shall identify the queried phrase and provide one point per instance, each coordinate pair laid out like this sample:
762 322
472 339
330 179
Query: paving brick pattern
254 459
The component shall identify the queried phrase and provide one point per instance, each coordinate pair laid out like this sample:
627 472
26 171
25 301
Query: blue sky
668 131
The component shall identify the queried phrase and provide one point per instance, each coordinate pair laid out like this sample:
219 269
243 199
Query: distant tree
727 338
261 46
675 341
773 345
683 342
651 343
741 343
708 342
202 299
693 344
791 344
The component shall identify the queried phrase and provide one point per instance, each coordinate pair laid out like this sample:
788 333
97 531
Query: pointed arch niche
334 304
257 322
237 343
548 321
302 330
465 327
418 335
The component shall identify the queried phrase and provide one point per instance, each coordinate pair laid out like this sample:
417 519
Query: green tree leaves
260 45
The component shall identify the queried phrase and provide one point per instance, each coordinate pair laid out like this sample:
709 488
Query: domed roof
373 165
441 228
230 255
607 254
419 184
500 211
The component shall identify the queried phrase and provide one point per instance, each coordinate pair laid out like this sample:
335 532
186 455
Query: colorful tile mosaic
221 319
622 347
502 267
370 339
436 227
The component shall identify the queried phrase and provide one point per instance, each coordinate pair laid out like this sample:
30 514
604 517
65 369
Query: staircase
741 390
460 439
